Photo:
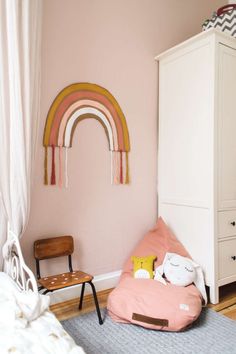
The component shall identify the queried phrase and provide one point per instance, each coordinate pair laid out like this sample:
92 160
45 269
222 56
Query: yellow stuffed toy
143 266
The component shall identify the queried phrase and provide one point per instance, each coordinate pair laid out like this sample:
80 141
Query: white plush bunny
181 271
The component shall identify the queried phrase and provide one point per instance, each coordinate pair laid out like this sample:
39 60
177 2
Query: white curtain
20 34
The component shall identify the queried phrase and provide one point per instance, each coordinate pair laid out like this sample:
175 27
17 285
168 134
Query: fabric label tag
154 321
184 307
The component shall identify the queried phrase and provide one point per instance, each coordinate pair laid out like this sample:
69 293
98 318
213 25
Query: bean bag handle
225 8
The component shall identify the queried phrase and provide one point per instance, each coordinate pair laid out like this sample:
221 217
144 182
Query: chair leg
81 296
96 303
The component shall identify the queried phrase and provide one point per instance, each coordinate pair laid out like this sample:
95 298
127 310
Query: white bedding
27 327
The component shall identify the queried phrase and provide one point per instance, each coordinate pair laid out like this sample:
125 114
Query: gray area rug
211 333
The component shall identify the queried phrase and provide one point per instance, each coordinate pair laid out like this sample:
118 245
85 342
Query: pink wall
111 43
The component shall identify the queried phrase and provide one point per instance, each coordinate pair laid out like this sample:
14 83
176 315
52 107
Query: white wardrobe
197 151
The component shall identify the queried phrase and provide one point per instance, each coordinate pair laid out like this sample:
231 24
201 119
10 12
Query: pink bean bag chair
147 302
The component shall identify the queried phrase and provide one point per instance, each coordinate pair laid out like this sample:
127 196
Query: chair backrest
53 247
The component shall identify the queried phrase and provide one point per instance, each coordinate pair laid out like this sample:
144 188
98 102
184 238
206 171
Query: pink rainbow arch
75 103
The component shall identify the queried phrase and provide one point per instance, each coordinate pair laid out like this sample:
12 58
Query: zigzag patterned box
226 22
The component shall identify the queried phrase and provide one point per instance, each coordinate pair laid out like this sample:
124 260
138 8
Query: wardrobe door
185 127
227 128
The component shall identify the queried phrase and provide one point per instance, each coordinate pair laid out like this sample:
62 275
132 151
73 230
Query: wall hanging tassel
112 168
66 167
117 181
127 179
60 167
53 173
121 168
124 167
46 165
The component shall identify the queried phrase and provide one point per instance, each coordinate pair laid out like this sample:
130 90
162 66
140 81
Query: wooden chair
57 247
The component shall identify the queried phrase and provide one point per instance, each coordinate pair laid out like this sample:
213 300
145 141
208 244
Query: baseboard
101 282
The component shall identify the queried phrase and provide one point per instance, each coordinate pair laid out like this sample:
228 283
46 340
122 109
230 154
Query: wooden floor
227 304
69 309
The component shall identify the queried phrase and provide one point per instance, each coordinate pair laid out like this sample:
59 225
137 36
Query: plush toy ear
199 281
159 271
159 277
168 256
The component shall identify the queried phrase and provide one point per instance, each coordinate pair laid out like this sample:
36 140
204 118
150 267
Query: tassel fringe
60 167
53 173
112 168
127 179
66 167
46 165
119 167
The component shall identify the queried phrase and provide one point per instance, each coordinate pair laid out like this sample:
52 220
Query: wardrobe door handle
233 258
233 223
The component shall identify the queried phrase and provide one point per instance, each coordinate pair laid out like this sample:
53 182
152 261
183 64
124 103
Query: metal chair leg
81 296
96 303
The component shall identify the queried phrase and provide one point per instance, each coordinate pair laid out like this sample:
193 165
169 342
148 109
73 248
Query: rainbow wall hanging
73 104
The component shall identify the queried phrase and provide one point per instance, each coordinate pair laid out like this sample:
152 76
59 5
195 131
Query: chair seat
63 280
